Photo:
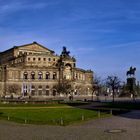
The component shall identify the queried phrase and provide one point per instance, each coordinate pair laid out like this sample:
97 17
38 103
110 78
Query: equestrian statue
131 71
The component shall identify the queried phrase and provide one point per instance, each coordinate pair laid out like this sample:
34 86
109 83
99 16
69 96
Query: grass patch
31 105
60 115
10 106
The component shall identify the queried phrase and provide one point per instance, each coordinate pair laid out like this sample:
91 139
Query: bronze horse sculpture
131 71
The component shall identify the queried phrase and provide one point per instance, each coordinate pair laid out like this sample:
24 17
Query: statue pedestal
131 83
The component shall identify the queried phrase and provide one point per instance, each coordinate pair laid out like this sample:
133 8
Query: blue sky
103 35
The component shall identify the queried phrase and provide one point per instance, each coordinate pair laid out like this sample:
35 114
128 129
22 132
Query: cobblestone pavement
91 130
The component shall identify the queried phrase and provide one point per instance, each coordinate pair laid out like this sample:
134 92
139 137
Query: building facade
34 70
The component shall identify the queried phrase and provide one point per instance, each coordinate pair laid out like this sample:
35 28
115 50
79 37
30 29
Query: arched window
40 75
32 90
47 75
39 90
67 71
54 75
20 53
49 59
32 75
47 90
47 87
25 53
54 92
40 87
29 58
33 87
25 75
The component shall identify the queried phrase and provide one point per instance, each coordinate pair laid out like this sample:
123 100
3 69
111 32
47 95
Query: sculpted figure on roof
65 52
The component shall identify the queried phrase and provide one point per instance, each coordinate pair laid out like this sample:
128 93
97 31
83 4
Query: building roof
87 71
14 47
33 44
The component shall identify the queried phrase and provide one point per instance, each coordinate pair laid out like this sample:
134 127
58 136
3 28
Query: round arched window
47 75
25 75
40 87
54 75
40 75
32 75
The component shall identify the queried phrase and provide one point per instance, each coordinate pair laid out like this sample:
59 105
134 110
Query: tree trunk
113 95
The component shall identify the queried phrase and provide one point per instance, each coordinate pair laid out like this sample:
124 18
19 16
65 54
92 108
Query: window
44 59
54 75
29 59
25 75
49 59
24 89
54 92
20 53
47 75
32 75
53 59
32 90
39 59
47 92
33 87
25 53
75 76
39 90
40 87
40 75
34 59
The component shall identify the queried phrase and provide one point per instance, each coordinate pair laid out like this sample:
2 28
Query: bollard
83 118
8 118
25 121
61 121
111 112
99 114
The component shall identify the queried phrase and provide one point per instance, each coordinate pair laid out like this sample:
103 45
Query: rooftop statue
65 52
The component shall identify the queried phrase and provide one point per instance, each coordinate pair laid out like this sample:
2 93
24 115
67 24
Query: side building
34 70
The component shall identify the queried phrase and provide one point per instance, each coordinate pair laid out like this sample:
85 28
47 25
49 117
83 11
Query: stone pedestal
131 83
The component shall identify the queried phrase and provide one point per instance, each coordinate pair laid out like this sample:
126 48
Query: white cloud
85 49
9 8
135 44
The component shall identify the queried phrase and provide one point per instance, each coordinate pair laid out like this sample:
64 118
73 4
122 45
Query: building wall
35 70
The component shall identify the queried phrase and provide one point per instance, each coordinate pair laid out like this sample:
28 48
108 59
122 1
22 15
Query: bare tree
63 87
113 82
96 86
13 88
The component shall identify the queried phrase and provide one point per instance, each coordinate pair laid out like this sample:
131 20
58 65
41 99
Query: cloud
135 44
11 7
84 49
